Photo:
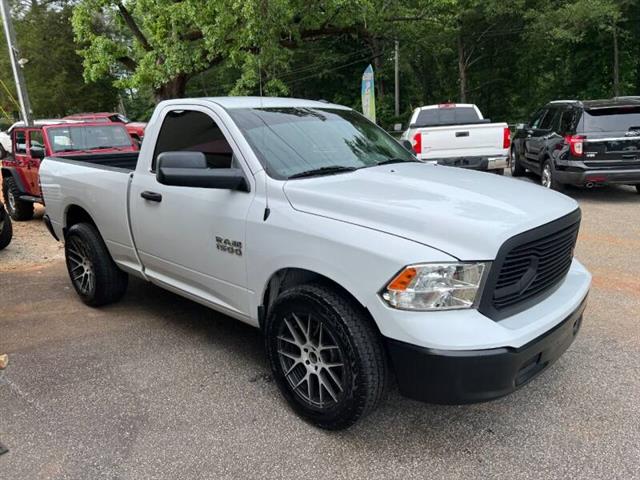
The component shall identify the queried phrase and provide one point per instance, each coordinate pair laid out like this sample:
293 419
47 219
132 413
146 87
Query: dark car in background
585 143
6 229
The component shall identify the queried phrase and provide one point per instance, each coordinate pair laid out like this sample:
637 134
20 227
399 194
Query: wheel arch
288 277
12 172
75 214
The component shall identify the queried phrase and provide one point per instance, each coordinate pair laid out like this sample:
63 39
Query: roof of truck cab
261 102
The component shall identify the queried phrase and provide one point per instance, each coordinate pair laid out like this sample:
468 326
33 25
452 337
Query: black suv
589 143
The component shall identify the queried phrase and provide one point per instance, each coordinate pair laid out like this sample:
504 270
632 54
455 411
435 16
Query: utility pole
16 62
616 62
397 80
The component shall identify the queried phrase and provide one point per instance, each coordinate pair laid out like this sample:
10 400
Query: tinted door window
192 131
537 117
20 142
555 121
568 121
547 121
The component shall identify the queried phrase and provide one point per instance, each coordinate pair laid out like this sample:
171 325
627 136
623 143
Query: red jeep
135 129
70 140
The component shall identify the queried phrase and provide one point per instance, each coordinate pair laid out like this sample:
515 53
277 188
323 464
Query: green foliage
507 57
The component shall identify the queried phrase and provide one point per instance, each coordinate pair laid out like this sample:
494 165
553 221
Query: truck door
35 152
192 239
21 158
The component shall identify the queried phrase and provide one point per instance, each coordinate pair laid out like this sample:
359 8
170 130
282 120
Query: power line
329 70
315 65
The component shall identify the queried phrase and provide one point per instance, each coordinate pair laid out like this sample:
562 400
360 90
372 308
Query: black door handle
151 196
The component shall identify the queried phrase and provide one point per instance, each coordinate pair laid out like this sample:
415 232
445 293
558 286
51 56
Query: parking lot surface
159 387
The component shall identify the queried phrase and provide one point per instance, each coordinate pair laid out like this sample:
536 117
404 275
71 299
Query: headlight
436 286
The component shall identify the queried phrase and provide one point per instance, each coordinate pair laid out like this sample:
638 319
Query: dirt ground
157 386
32 245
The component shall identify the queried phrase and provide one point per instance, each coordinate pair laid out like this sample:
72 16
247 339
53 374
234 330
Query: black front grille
529 265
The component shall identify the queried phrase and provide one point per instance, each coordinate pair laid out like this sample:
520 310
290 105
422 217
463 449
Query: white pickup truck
357 260
457 135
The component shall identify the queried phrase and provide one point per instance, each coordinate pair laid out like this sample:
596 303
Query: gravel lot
159 387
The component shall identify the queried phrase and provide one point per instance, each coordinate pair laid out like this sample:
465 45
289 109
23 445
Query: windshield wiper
70 150
397 160
323 171
108 147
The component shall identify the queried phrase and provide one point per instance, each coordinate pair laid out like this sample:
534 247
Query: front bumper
459 376
473 163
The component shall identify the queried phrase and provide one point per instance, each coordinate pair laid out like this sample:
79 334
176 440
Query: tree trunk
616 63
462 71
377 68
174 88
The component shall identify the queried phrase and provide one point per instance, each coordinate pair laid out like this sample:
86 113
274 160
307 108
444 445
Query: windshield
95 137
292 141
614 119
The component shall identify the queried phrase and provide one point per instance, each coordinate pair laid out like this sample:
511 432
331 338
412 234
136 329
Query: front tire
6 229
325 355
19 210
517 170
548 177
93 273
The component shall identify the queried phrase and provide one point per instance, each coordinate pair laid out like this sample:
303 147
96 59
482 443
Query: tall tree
165 43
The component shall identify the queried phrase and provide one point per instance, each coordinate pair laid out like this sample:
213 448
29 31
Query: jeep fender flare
13 172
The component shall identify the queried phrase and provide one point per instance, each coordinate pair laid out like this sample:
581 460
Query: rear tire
6 229
325 355
19 210
93 273
548 177
517 170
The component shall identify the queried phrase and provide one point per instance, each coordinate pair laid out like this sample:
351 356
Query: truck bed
124 160
98 184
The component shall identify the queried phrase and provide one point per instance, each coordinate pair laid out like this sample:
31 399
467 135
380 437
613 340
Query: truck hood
464 213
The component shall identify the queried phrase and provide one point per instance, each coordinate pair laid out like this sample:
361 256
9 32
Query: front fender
359 259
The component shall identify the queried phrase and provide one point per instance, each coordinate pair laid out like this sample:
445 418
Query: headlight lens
436 286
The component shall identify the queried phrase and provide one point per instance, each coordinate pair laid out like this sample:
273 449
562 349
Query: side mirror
189 169
407 144
37 153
